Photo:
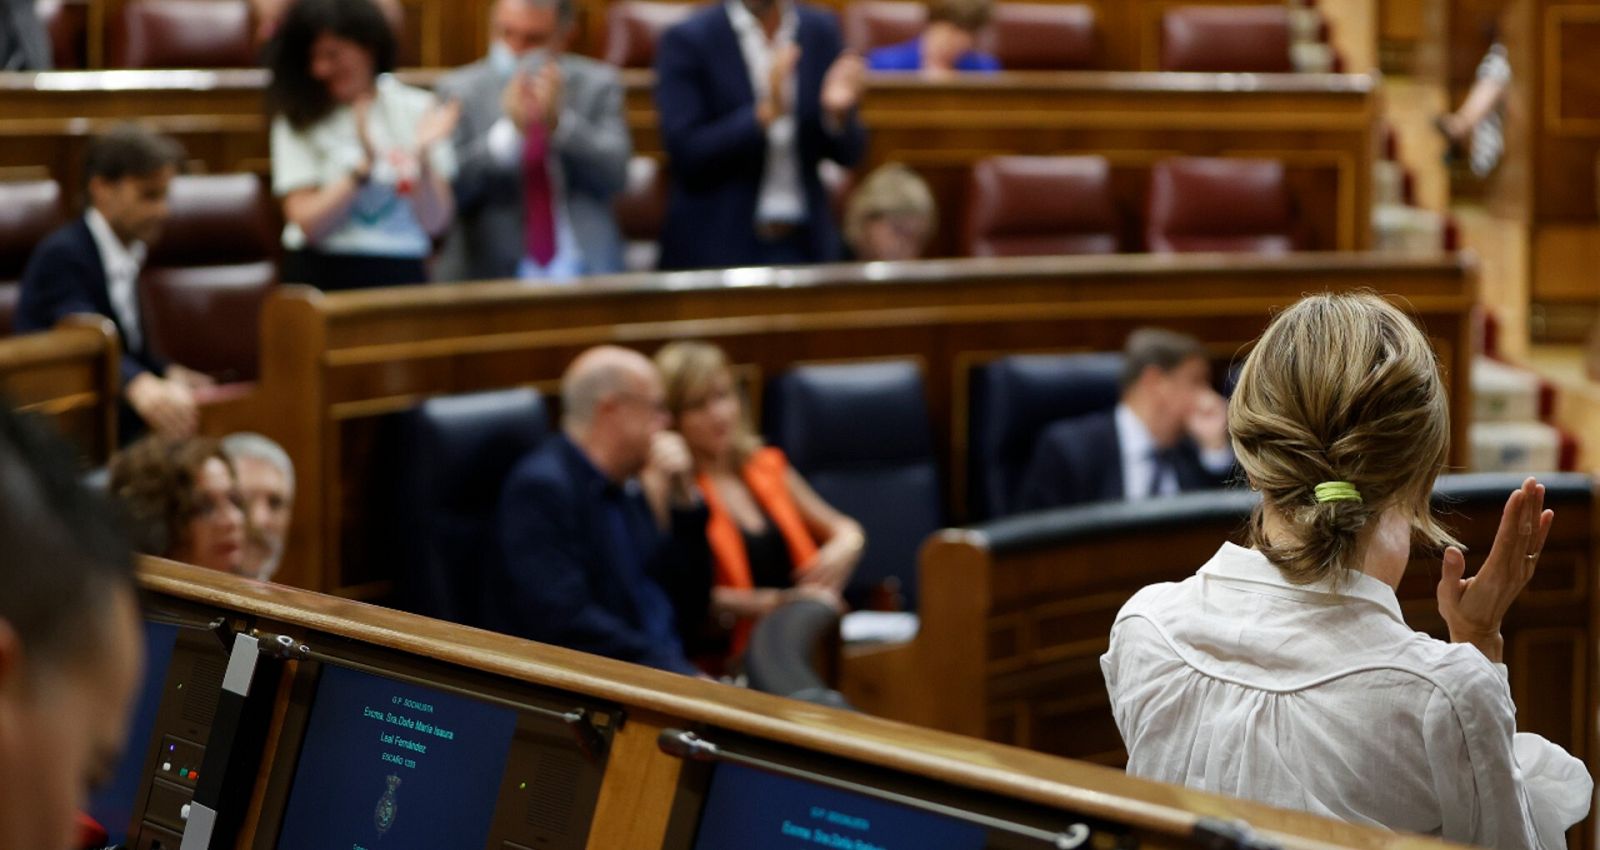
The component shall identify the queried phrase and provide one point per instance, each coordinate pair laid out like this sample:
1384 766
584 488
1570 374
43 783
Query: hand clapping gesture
843 85
1473 607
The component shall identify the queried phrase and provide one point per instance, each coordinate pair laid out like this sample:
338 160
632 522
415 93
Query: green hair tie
1336 491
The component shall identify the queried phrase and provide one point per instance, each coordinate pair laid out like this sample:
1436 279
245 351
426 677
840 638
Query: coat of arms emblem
383 814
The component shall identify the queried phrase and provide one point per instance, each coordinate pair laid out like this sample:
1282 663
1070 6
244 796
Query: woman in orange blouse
772 537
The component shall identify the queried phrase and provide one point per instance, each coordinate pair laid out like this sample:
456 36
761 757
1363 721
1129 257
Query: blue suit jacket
1079 460
907 56
65 276
565 580
716 149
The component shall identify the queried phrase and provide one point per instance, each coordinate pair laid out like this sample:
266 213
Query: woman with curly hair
183 499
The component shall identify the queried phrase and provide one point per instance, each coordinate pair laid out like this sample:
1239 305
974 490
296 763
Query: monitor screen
746 808
397 766
112 805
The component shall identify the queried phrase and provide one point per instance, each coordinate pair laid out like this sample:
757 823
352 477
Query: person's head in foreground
891 216
952 32
70 650
266 484
705 404
613 407
1340 419
1166 380
183 499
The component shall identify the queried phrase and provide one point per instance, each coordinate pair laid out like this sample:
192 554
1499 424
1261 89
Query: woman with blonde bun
1284 672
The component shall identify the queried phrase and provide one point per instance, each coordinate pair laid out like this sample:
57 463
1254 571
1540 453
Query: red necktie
539 235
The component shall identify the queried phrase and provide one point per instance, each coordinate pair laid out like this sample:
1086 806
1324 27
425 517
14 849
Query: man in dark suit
752 96
92 264
602 532
1168 435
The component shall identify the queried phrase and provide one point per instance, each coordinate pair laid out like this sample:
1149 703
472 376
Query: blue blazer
565 578
907 56
716 149
65 276
1079 460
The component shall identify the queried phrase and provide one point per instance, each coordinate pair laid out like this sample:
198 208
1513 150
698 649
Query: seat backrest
640 209
1043 37
67 22
29 210
870 24
1040 206
182 34
1219 39
1219 204
456 452
860 435
209 273
634 26
784 648
1013 399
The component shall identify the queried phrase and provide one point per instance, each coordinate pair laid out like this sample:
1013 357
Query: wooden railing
336 368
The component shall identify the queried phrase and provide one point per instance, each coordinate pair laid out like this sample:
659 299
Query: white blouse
1322 699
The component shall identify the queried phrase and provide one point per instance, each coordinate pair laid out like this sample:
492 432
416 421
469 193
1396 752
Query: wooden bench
336 368
647 798
1016 613
1322 126
73 376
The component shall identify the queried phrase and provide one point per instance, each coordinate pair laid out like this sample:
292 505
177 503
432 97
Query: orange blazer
765 475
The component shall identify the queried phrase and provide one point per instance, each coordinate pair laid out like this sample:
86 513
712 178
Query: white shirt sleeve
1497 788
295 162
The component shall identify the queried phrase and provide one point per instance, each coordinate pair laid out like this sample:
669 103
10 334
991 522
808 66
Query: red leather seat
29 210
1219 39
182 34
640 209
1206 204
870 24
67 22
1043 37
634 26
1041 205
210 271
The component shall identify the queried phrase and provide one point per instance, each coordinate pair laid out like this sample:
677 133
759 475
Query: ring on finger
1533 556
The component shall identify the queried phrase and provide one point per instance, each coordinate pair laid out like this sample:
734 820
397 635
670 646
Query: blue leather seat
859 434
458 451
1013 400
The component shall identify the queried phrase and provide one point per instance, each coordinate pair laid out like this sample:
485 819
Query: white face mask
501 59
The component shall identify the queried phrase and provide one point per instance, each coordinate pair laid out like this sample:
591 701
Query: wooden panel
70 374
1564 263
331 364
638 786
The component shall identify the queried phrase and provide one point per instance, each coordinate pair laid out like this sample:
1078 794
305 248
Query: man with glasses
602 531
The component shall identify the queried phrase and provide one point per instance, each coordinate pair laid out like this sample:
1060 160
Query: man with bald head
602 531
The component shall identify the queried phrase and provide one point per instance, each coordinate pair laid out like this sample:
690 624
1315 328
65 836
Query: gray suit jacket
593 148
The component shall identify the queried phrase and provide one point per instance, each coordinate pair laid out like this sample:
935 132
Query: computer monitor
746 808
406 762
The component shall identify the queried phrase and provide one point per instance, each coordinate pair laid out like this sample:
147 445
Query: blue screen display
112 804
387 765
747 808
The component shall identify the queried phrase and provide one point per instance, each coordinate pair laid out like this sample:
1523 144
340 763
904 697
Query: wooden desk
335 367
1016 613
640 782
1322 126
72 375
